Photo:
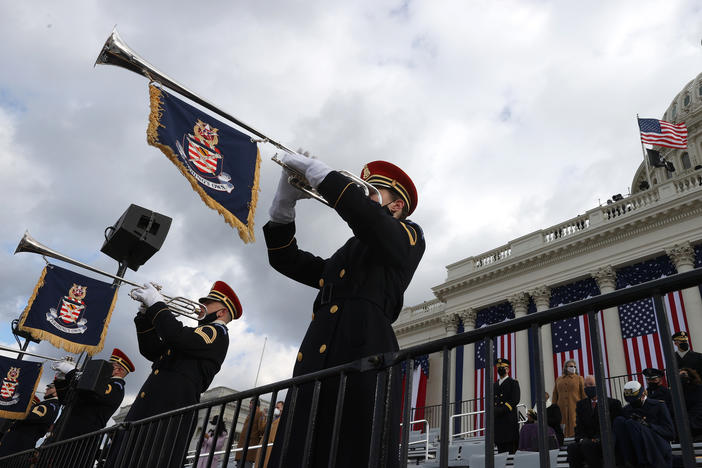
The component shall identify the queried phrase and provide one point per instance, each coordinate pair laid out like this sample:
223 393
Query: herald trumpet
178 304
116 52
19 351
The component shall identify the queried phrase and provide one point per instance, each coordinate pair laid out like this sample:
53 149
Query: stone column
522 366
606 279
542 296
451 322
468 316
683 257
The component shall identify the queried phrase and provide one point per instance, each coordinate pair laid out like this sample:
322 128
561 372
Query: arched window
686 100
685 159
699 90
674 111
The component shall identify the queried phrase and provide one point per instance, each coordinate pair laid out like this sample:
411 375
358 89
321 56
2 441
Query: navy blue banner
221 163
69 310
19 382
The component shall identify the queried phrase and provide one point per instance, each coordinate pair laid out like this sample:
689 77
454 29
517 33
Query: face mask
591 392
571 369
684 346
685 379
653 386
634 401
209 318
276 412
501 371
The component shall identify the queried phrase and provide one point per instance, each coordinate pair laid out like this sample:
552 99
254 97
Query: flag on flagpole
662 133
418 395
69 310
19 383
222 164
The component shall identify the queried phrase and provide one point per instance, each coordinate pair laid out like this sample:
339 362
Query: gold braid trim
283 246
245 233
341 194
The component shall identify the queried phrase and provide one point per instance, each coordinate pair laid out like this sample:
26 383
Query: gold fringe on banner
15 415
246 231
71 347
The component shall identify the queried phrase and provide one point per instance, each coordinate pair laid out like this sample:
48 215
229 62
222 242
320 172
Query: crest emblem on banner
65 317
9 385
199 151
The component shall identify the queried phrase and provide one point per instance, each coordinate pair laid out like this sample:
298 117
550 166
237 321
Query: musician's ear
397 208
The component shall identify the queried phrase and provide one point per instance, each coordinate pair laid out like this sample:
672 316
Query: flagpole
260 360
643 150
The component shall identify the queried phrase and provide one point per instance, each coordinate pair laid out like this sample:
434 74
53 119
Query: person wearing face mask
587 447
567 391
360 294
277 412
692 391
217 436
185 359
655 388
684 355
644 431
507 395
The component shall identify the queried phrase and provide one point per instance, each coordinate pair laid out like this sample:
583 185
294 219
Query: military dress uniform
507 395
24 433
690 358
361 289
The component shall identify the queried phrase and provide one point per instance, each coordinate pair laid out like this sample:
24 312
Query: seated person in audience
553 419
644 431
587 447
655 388
529 435
692 390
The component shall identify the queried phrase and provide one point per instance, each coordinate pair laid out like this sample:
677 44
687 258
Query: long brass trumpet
116 52
178 304
19 351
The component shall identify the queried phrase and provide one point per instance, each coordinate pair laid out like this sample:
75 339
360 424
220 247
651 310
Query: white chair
532 460
478 461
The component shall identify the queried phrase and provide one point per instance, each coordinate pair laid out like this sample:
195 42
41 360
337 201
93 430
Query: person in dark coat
587 447
644 431
23 434
91 410
553 419
185 360
361 288
692 391
685 356
656 390
506 400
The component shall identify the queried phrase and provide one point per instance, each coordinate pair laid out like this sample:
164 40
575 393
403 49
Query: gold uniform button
299 357
342 273
321 282
156 372
142 395
322 348
168 353
312 315
333 309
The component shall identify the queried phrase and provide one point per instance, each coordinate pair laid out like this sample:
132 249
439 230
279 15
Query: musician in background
23 434
507 396
185 360
90 410
361 288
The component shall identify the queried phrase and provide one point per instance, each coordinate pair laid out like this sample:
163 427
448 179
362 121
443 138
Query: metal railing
146 442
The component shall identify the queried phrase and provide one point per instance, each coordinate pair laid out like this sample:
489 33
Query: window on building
686 100
685 159
674 111
699 90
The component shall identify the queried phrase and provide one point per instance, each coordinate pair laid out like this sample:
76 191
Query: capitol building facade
652 232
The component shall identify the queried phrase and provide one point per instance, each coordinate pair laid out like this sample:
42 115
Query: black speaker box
136 236
95 376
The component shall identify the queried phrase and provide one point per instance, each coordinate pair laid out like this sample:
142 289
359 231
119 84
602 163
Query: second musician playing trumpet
361 290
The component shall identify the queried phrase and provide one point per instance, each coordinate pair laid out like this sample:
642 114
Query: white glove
315 170
147 295
282 209
63 366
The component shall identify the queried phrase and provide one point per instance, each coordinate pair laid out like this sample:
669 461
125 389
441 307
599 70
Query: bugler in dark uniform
361 289
185 359
91 409
655 388
507 395
24 433
684 356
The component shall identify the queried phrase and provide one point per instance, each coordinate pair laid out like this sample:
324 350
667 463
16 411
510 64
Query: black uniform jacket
24 433
90 410
507 397
361 289
185 360
587 419
656 416
692 360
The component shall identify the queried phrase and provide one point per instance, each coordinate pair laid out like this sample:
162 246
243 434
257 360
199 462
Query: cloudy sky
510 116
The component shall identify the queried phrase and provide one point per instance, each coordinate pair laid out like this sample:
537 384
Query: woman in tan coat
569 389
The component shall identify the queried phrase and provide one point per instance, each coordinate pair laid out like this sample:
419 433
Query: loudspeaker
95 375
136 236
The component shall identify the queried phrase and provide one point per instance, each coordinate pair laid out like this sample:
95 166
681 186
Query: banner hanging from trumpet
19 382
221 163
69 310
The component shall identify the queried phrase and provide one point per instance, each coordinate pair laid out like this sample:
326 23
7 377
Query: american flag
419 389
662 133
571 337
642 342
506 348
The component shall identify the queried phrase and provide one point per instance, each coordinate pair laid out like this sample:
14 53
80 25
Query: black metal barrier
147 442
